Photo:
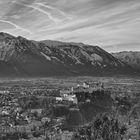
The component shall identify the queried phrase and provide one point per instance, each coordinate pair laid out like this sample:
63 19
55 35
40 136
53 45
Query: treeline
104 97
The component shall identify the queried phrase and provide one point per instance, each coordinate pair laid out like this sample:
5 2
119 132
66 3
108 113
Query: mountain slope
22 57
131 58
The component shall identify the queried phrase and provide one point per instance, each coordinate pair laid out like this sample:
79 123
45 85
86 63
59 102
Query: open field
69 81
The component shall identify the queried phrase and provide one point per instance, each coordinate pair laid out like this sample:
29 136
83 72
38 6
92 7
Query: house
45 119
66 135
67 98
39 111
78 89
4 92
65 92
5 112
59 99
85 85
71 98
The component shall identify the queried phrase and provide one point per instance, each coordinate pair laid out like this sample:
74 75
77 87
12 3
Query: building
71 98
66 135
65 92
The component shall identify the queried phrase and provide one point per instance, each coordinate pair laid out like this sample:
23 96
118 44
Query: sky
113 25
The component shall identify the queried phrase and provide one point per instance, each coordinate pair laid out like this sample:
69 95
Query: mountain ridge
22 57
131 58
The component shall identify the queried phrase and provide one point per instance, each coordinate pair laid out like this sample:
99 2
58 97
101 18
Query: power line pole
138 131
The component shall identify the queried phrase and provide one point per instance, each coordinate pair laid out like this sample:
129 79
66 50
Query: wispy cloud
54 8
100 22
42 11
16 26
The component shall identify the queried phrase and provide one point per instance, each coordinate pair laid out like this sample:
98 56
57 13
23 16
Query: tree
103 127
108 128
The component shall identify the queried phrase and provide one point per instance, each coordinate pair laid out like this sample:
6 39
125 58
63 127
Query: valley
57 106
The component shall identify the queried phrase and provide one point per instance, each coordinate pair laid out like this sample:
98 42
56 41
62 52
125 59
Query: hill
131 58
22 57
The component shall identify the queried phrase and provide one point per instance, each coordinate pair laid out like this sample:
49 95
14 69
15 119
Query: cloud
100 22
56 9
55 20
16 26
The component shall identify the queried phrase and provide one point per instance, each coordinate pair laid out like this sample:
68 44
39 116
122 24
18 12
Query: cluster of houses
17 120
70 93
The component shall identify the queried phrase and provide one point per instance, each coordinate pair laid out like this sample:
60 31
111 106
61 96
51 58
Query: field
58 82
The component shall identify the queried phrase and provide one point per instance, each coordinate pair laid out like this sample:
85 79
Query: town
40 113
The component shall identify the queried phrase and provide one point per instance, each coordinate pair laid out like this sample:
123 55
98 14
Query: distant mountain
131 58
23 57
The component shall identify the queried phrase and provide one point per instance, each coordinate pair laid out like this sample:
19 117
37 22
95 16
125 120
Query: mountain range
20 57
130 58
